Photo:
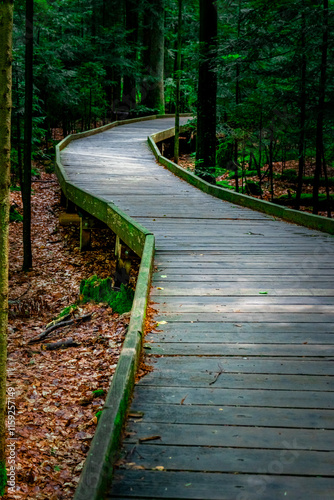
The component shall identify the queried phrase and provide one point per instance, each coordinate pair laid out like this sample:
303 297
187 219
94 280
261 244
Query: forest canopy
103 60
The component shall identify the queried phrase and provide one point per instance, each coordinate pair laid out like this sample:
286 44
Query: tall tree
302 107
152 90
321 108
178 85
129 79
6 22
26 187
207 92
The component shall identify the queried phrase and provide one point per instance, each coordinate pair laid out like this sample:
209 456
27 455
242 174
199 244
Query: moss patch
100 290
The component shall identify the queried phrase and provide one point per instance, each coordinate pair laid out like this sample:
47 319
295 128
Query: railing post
86 224
123 264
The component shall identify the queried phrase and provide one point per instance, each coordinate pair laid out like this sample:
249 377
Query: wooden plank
213 302
226 436
294 317
195 289
201 486
230 415
230 397
196 364
270 331
224 349
267 337
216 379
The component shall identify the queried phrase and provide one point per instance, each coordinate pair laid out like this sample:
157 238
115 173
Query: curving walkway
239 405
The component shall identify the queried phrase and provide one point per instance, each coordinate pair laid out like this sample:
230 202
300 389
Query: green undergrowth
100 290
3 478
67 310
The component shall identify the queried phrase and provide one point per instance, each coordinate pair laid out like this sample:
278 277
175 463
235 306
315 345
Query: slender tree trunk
271 173
152 88
207 93
113 15
237 101
321 106
302 111
18 132
129 80
6 24
178 86
26 188
328 196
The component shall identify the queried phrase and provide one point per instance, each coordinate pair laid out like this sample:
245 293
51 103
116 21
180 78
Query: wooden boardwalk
240 403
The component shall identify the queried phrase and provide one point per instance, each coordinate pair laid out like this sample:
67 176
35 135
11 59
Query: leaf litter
58 393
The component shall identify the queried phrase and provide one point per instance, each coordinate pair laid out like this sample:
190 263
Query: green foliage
250 173
225 185
67 310
98 392
252 187
14 215
306 200
98 415
289 175
100 290
3 478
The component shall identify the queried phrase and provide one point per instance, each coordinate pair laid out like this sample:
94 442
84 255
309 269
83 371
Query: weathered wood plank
196 364
230 415
201 486
225 436
224 349
238 381
230 397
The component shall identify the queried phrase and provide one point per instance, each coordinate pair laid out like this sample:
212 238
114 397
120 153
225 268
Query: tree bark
321 107
152 88
302 111
178 85
6 25
26 187
207 93
129 79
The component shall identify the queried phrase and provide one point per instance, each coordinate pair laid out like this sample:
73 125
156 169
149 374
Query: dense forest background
270 68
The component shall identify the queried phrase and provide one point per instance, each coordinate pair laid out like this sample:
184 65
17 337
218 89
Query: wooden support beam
86 225
63 199
123 265
71 208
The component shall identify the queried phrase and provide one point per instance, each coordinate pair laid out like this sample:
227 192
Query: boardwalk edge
311 221
97 472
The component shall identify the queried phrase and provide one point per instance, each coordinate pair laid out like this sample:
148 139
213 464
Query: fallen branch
221 370
63 344
44 334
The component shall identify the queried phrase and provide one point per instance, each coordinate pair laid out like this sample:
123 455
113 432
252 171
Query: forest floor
57 393
281 186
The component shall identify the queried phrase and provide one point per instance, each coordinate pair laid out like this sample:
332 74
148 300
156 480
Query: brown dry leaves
55 403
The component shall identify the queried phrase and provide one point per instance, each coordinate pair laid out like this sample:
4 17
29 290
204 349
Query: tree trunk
129 80
152 89
26 187
178 86
6 24
207 93
302 111
321 106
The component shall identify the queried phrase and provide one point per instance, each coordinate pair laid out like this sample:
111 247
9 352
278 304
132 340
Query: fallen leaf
149 438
